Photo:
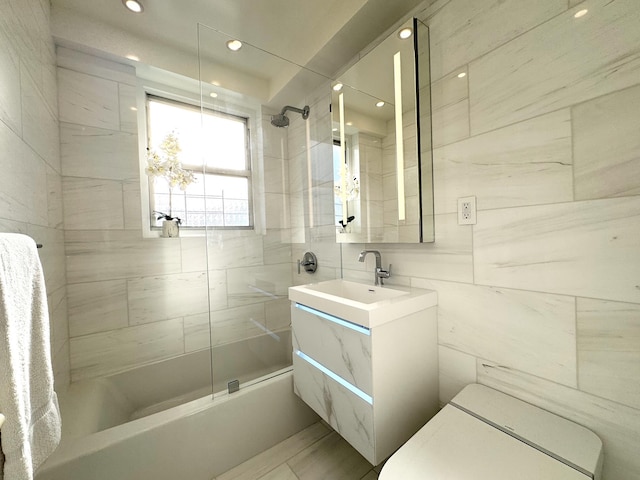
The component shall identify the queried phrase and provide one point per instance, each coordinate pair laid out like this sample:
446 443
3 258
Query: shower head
281 120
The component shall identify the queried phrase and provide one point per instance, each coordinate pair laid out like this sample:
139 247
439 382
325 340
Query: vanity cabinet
375 385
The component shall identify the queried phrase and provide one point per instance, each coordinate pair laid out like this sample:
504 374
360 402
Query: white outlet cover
467 211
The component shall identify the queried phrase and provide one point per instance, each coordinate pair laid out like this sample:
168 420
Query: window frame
202 168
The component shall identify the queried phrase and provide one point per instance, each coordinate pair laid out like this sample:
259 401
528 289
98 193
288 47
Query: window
215 147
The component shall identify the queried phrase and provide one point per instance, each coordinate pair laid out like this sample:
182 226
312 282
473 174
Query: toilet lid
455 445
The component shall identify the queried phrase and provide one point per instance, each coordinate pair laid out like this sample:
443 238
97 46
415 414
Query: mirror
381 114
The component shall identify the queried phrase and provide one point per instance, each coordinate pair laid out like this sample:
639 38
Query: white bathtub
196 440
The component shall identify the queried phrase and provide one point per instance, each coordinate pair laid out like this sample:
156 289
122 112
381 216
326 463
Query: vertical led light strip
343 160
397 86
309 175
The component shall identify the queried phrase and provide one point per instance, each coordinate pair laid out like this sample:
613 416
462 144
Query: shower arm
303 111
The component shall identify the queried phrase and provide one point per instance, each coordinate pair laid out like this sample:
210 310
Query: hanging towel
31 431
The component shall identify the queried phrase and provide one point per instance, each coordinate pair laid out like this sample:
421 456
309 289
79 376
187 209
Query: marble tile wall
311 191
541 297
31 186
134 300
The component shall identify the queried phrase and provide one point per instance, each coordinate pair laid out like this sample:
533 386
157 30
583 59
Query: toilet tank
483 434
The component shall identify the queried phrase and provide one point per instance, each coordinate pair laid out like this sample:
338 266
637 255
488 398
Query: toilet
483 434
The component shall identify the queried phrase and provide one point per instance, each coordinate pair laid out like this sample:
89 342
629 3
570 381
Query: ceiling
322 35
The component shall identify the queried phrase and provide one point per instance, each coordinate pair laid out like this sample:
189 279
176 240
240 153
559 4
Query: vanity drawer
349 414
339 346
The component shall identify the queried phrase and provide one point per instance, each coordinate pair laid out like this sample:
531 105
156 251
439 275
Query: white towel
31 431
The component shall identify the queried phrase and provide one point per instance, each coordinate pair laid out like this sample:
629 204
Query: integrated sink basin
363 304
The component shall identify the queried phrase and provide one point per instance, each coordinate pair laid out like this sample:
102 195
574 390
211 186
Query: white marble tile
10 107
336 405
456 370
58 319
276 174
528 163
99 67
532 332
117 350
235 324
450 123
54 198
229 249
128 108
152 299
277 246
132 205
268 460
257 284
39 126
88 100
61 368
450 90
331 457
50 87
218 290
277 314
98 153
92 204
615 424
97 307
283 472
277 211
23 193
197 334
449 258
111 254
52 255
587 248
193 253
608 348
555 65
466 29
606 145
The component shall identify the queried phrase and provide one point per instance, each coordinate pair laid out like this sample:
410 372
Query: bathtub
161 421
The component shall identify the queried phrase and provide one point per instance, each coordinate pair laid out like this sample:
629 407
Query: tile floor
316 453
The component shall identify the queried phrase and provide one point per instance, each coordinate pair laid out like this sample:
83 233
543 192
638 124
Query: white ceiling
320 34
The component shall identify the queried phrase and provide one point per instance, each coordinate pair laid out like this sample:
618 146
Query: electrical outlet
467 211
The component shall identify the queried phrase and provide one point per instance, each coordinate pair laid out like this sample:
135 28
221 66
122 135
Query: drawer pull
367 398
331 318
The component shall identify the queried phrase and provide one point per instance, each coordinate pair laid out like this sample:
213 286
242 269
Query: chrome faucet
380 273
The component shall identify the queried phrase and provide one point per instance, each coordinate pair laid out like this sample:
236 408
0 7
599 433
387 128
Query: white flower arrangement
167 165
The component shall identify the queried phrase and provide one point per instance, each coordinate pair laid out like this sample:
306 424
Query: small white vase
170 229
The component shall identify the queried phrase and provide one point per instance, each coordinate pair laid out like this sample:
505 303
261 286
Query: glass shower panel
272 198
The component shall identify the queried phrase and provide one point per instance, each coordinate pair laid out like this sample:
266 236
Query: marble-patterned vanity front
342 348
375 386
347 413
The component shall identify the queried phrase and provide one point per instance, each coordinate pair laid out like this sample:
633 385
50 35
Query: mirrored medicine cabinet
382 155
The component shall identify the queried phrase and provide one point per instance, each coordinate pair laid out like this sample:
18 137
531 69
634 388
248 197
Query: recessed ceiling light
349 123
135 58
462 74
213 95
581 13
337 87
133 109
133 5
234 45
405 33
380 104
